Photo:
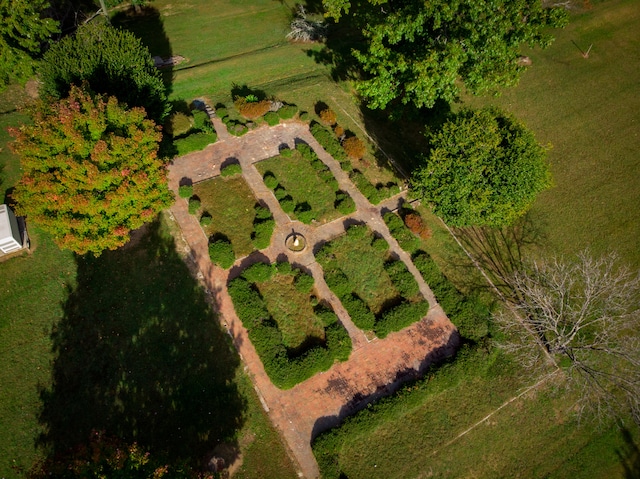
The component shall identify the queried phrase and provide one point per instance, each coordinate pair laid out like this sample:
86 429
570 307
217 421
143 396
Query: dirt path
375 368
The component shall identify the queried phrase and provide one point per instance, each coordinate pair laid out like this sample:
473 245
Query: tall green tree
416 51
23 31
484 168
91 173
112 62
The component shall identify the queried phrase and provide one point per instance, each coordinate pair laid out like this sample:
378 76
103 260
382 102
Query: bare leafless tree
586 315
303 29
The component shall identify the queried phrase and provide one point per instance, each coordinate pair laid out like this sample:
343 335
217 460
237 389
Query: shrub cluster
205 219
272 118
178 124
374 193
235 126
407 240
329 142
468 313
185 191
263 226
344 203
221 252
252 109
408 307
354 147
194 205
416 224
328 117
190 132
231 169
285 367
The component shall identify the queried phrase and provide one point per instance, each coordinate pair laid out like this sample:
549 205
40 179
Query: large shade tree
90 171
484 168
416 51
24 30
112 62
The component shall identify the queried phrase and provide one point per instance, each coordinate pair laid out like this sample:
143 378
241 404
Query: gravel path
375 368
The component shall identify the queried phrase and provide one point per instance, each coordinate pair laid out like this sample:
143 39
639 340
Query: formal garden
96 333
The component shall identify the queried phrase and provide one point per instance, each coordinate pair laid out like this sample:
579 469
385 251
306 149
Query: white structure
10 239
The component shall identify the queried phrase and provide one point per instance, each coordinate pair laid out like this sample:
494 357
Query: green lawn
302 182
292 310
230 203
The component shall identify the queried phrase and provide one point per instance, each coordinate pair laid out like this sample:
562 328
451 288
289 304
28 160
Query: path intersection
375 368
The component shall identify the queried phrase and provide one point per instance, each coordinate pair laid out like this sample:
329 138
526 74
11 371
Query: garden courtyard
304 406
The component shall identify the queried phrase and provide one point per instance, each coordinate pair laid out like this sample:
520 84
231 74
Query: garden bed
295 335
380 294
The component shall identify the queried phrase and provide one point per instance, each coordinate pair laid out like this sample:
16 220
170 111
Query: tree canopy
484 168
90 171
23 31
416 51
112 61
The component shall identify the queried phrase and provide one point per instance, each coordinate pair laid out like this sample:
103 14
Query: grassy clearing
292 310
302 182
230 203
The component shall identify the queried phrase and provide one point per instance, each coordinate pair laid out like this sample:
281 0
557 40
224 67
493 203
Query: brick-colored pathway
375 368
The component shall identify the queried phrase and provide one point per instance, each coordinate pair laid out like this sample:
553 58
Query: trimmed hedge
329 142
271 118
231 170
400 316
287 112
221 253
185 191
263 226
407 240
194 205
468 313
344 203
402 278
284 367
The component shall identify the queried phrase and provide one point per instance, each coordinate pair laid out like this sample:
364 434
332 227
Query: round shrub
178 124
379 244
287 204
231 169
237 129
286 153
287 112
360 314
402 279
338 282
221 253
185 191
270 180
358 231
258 272
201 121
306 151
280 193
304 282
194 205
354 147
262 232
222 113
284 267
344 203
339 131
261 212
304 116
272 118
205 219
328 117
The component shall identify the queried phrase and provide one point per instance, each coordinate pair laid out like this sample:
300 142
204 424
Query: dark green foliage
263 226
400 316
338 282
270 180
484 168
24 32
231 169
261 212
286 153
306 152
202 122
304 213
328 141
112 62
221 253
205 219
360 314
286 368
258 272
194 142
272 118
407 240
304 282
287 112
284 267
358 231
366 188
468 313
402 278
194 205
344 203
185 191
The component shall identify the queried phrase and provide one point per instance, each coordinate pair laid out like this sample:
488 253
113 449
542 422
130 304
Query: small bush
379 244
344 203
248 303
270 180
304 116
402 279
358 231
237 129
258 272
284 267
252 109
407 240
400 317
194 142
416 225
185 191
205 219
280 193
287 112
366 188
329 142
222 113
231 170
338 131
262 232
304 282
306 152
328 117
272 118
287 204
261 212
202 122
321 168
286 153
221 253
304 213
338 282
178 124
194 205
360 314
354 147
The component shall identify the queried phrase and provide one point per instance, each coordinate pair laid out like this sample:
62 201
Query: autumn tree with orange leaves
91 171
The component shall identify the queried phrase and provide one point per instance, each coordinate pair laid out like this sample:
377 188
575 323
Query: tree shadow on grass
139 355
